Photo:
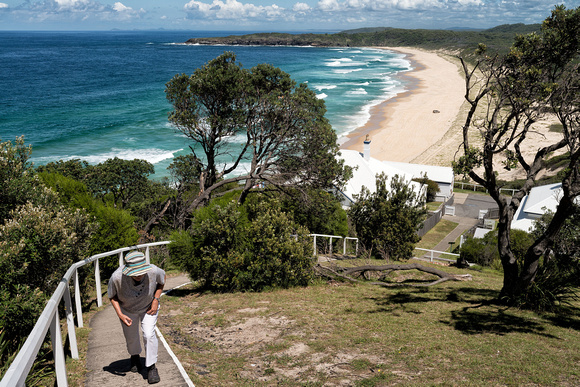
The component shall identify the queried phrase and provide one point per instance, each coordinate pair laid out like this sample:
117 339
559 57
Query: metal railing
49 319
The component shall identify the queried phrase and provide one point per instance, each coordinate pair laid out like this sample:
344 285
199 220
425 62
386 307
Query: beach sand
406 128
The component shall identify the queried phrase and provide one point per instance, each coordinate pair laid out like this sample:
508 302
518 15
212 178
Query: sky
269 15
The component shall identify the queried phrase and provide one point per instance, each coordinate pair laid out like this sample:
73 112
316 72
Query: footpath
107 358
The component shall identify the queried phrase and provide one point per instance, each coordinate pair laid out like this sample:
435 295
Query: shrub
252 247
484 251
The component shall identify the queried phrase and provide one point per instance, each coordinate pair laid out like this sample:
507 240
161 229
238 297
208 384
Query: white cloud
301 7
120 7
232 9
3 5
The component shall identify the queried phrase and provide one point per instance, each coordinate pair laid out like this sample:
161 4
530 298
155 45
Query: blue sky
269 15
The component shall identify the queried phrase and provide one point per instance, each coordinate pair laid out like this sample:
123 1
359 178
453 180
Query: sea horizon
94 95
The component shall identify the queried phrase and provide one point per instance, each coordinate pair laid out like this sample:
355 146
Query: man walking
134 291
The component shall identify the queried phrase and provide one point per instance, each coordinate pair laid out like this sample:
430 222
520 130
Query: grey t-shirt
135 298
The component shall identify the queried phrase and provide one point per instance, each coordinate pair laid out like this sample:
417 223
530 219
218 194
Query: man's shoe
135 363
153 375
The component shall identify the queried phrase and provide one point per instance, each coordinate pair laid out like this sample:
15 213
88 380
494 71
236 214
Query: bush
484 251
387 220
243 248
115 226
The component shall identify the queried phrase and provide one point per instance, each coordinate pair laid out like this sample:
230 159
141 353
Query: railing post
314 244
78 303
344 247
330 246
147 255
70 324
356 249
431 255
98 283
58 351
121 263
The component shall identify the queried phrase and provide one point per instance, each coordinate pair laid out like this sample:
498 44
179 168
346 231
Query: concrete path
464 224
107 358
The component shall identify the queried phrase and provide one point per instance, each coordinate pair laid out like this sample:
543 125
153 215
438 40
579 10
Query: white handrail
49 319
315 253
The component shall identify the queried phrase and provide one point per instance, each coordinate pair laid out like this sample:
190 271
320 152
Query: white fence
436 255
331 237
49 319
477 187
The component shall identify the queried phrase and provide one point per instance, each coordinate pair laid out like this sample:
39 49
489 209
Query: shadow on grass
184 292
568 318
499 322
409 300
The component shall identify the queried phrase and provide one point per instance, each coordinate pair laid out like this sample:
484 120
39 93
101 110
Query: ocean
99 95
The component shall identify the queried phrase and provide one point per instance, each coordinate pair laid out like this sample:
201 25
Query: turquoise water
98 95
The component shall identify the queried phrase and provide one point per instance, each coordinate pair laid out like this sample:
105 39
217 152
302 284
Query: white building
537 203
365 169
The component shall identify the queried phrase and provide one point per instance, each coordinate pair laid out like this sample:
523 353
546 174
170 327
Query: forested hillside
497 38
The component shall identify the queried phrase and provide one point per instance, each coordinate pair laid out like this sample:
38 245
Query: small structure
540 200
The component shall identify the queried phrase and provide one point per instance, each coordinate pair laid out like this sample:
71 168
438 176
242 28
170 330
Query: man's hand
126 320
154 307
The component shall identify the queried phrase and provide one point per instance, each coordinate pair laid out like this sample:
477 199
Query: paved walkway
107 358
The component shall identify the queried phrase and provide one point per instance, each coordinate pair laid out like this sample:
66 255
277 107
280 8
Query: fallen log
345 273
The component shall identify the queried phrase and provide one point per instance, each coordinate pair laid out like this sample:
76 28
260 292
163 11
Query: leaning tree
507 95
259 118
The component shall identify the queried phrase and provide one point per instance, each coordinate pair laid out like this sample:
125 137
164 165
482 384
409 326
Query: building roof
435 173
538 202
364 173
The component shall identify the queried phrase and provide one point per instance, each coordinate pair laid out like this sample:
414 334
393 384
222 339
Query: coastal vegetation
498 38
246 234
507 94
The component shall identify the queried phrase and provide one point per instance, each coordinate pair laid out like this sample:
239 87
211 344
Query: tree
287 142
123 179
387 220
507 95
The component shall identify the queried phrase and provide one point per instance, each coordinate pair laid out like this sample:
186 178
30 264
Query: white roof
534 205
364 173
435 173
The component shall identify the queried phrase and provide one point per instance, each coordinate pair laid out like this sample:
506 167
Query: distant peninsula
499 38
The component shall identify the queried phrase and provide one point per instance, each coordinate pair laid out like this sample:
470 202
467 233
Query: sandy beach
404 127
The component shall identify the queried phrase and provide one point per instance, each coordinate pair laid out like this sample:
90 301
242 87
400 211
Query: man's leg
148 323
132 334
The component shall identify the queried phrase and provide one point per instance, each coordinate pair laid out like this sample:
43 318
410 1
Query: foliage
498 38
287 140
387 220
432 187
123 179
17 181
483 251
558 277
78 169
247 248
115 227
507 95
317 210
37 245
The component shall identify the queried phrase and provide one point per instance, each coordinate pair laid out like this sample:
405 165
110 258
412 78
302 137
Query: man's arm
124 319
155 303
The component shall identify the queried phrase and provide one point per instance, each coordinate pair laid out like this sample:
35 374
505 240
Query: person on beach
134 290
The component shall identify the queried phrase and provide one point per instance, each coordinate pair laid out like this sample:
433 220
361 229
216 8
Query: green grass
364 335
436 234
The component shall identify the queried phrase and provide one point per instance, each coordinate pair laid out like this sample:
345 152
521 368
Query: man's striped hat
135 264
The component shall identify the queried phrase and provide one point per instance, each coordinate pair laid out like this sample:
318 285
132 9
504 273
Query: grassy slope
335 334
